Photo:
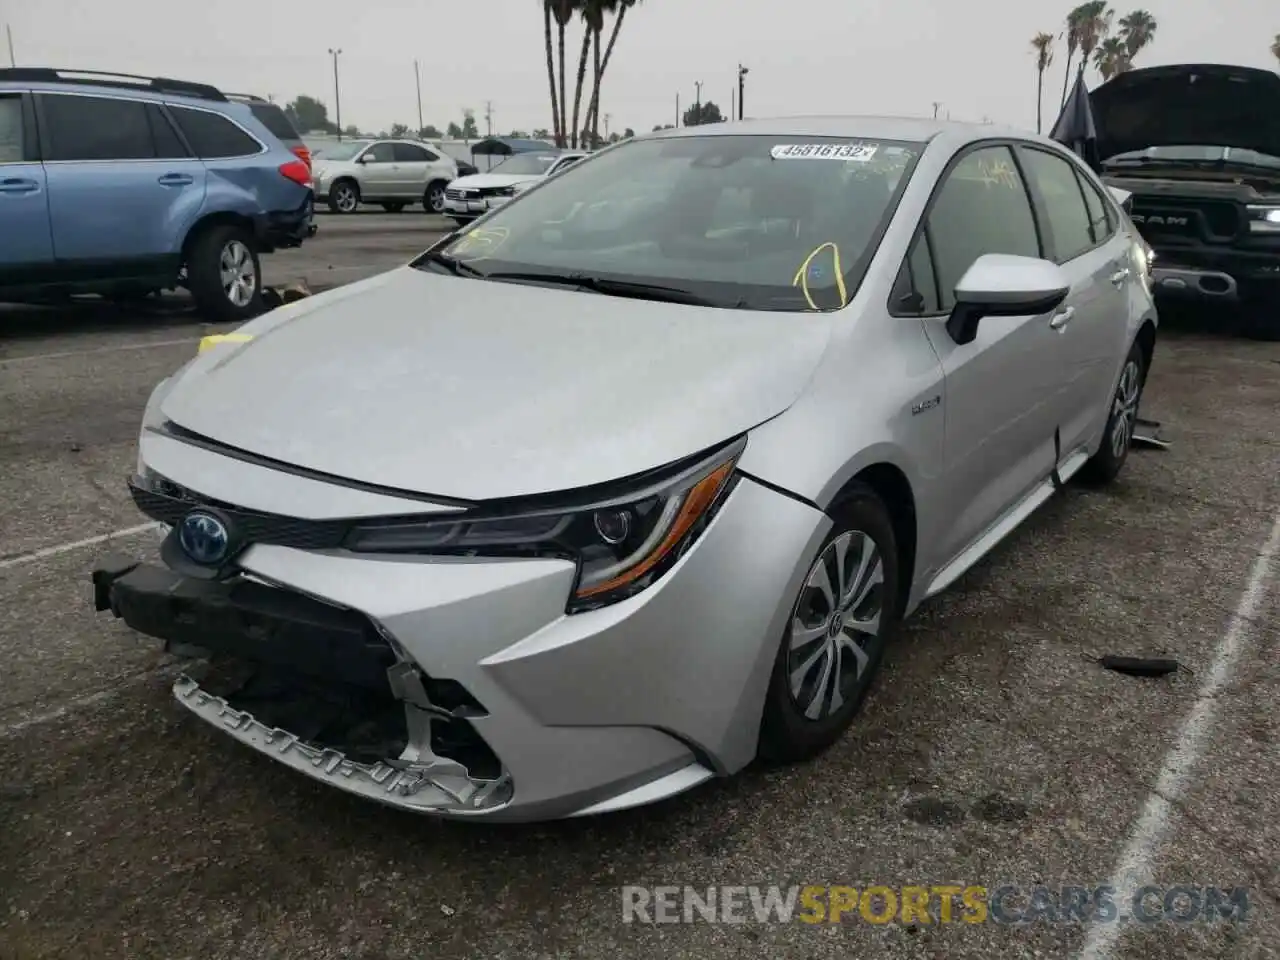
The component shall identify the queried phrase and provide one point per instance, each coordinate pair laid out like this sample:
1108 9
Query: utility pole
936 105
417 82
8 32
733 110
488 118
606 125
742 87
697 103
337 98
677 110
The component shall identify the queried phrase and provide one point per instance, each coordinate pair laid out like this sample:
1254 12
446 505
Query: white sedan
469 197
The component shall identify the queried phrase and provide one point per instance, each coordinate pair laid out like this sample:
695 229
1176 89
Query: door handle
17 185
1061 319
176 180
1120 276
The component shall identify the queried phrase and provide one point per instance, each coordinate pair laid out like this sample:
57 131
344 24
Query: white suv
391 173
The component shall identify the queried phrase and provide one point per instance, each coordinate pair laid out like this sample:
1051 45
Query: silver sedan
635 479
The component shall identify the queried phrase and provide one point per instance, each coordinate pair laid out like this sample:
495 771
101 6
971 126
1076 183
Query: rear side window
11 129
212 136
96 128
1064 204
1101 221
982 207
275 120
409 153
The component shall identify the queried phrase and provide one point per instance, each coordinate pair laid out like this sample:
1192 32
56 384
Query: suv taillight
297 171
303 154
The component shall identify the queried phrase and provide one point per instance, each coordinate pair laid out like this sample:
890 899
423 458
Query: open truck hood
1200 104
476 390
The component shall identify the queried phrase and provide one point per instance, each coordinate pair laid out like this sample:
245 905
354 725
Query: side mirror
363 158
1003 285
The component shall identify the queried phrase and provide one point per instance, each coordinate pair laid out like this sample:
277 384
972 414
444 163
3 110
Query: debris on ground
1140 666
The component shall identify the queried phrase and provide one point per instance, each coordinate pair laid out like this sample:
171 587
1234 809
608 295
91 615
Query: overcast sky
805 56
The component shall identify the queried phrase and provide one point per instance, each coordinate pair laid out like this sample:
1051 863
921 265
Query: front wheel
1117 437
845 616
344 197
224 274
433 197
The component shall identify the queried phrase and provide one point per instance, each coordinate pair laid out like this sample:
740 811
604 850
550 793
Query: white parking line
61 548
31 358
1138 855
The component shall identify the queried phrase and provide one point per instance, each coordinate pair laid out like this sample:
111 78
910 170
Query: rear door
26 242
415 171
1084 242
1000 396
123 187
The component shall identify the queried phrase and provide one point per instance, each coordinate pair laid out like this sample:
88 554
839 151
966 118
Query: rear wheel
1105 465
433 197
344 197
224 273
843 619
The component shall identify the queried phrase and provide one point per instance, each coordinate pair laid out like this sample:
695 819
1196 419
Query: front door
381 178
1001 389
26 243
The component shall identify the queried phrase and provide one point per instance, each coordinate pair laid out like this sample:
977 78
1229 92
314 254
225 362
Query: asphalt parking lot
993 751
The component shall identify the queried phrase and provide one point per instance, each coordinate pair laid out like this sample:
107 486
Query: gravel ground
993 750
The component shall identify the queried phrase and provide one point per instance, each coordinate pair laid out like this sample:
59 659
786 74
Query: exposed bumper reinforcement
430 784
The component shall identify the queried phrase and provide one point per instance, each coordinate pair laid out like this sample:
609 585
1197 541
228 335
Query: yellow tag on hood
214 339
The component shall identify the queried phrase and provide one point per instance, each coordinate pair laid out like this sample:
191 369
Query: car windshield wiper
616 288
459 268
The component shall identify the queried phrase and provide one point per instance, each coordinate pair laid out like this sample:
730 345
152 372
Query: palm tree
1042 44
551 68
1137 29
1095 24
592 14
562 12
1111 57
619 14
1073 42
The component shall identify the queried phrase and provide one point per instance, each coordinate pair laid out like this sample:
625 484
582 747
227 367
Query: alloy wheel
835 625
237 273
435 198
1124 409
345 198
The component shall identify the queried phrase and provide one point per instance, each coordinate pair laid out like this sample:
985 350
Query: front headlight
621 544
1264 218
504 192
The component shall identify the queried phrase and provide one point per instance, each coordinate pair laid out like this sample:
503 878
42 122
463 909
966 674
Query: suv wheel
842 621
224 274
1105 465
344 197
433 199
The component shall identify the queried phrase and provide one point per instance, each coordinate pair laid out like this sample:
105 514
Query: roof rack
247 97
128 81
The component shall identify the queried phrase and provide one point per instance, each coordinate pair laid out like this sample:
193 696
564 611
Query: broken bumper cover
578 714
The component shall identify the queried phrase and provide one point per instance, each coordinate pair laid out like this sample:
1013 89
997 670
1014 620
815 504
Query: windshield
1196 154
341 151
525 164
754 222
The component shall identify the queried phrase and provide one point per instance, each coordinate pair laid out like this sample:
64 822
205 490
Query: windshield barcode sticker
852 152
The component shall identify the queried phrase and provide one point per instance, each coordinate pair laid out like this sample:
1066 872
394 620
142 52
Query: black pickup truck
1198 147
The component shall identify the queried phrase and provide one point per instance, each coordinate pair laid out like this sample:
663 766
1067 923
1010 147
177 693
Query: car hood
1188 105
474 389
481 181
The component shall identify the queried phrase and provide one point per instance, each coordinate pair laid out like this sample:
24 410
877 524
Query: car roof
911 129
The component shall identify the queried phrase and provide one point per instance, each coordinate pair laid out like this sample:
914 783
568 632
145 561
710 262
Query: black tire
786 733
232 246
1260 312
433 197
344 196
393 207
1126 402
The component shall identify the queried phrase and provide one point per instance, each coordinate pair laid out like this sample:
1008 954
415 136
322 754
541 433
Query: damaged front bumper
370 725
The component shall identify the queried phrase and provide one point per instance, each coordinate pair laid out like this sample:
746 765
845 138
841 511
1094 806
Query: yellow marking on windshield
801 278
482 240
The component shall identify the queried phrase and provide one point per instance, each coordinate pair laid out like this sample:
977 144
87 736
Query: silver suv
391 173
